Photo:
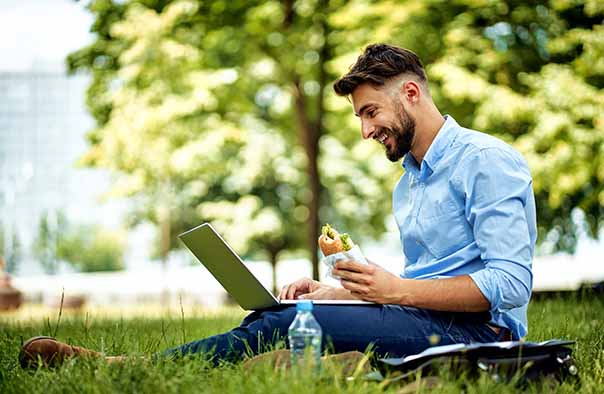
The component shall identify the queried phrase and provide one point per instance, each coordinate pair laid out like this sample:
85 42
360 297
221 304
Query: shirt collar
410 164
446 134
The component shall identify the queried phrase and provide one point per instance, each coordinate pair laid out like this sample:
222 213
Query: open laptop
228 268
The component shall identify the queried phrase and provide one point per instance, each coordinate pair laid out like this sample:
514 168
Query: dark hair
378 64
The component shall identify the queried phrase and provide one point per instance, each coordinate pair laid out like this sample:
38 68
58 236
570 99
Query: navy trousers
389 329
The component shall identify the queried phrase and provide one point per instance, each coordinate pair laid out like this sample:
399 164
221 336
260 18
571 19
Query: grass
576 317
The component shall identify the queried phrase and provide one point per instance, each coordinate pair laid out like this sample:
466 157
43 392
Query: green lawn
580 318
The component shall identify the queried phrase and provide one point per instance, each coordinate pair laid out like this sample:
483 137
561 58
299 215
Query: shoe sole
25 358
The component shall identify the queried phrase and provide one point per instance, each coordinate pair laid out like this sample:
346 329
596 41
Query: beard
401 133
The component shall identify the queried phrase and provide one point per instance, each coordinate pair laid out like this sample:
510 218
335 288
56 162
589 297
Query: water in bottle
305 336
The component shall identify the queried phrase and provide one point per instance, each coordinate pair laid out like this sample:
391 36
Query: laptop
228 269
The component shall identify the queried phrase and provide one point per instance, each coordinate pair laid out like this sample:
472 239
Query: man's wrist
343 294
404 294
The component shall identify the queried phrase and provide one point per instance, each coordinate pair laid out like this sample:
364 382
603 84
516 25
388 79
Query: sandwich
331 241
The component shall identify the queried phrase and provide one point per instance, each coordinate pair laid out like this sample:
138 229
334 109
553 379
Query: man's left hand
369 282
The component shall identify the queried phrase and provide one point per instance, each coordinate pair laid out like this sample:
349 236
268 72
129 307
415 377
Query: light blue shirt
469 209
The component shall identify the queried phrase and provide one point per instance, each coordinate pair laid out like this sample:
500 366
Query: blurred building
43 122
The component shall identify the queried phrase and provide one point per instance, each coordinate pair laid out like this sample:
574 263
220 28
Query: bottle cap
304 306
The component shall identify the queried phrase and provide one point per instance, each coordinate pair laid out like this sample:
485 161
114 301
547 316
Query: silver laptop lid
227 267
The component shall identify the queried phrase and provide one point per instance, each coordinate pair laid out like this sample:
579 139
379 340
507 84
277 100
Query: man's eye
371 113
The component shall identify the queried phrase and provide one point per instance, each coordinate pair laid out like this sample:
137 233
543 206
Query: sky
40 33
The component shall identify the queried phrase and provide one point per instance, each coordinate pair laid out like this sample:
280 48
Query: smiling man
464 207
466 214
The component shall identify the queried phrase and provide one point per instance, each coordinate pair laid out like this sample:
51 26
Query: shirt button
417 241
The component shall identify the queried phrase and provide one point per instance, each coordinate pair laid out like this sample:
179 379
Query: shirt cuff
505 284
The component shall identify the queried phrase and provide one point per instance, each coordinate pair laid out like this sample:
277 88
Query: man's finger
350 265
284 292
351 276
291 291
353 287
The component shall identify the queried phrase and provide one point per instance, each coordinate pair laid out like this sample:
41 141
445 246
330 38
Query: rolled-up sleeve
500 207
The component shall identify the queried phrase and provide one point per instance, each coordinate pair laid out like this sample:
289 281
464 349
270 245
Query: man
466 214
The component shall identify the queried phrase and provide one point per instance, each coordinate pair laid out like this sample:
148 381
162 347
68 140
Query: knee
275 323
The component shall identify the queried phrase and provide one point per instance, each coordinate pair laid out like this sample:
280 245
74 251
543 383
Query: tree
172 122
223 111
89 248
347 178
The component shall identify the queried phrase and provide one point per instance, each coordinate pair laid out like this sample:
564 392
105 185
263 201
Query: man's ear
410 92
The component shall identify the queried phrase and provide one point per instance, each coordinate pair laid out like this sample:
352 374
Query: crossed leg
388 329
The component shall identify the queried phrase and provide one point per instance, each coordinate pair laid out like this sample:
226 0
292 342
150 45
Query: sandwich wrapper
352 254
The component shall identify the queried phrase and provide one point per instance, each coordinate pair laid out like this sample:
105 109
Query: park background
125 123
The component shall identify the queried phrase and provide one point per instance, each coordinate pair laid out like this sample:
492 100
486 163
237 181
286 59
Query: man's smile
381 137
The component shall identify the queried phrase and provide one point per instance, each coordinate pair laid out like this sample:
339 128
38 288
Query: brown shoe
50 352
351 363
277 359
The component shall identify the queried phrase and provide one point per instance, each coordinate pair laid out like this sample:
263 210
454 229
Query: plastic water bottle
305 336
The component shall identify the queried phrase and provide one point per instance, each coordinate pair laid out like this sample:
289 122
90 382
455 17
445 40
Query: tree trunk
273 258
316 187
309 138
310 131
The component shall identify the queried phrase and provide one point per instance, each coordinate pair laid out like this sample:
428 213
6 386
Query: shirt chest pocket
443 227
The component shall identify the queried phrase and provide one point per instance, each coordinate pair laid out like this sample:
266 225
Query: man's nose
367 130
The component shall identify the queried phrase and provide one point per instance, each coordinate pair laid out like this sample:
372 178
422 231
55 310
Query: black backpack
517 361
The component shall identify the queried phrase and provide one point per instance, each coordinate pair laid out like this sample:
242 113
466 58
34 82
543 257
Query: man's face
384 119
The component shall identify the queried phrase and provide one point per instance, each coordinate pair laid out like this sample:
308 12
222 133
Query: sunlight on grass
148 329
40 312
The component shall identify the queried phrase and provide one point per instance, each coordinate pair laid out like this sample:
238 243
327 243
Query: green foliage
573 318
88 248
179 156
223 111
533 75
198 117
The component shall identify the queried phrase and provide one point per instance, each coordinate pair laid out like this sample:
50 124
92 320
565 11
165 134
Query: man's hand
327 292
373 283
308 289
369 282
299 287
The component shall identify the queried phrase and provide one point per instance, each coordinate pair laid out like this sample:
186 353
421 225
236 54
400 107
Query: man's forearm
458 294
